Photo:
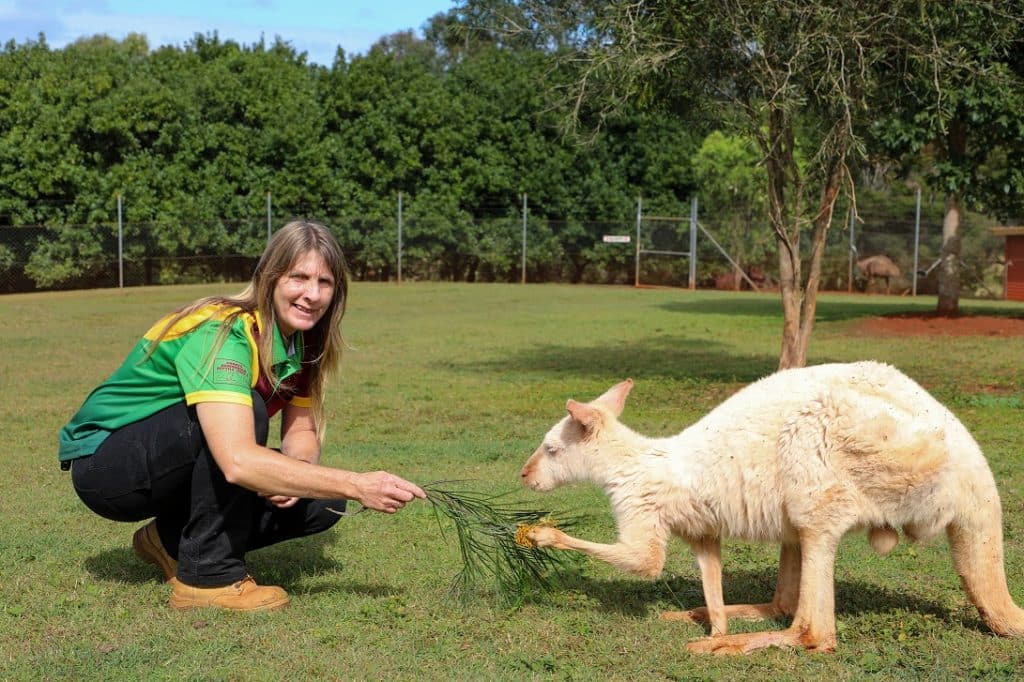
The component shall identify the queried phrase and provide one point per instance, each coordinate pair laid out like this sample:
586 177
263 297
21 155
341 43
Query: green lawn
461 381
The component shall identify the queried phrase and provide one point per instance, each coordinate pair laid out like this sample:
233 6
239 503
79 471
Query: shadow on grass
122 566
352 587
697 354
284 564
663 356
635 598
292 560
828 309
771 306
694 356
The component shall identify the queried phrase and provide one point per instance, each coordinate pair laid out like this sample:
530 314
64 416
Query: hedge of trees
194 138
462 122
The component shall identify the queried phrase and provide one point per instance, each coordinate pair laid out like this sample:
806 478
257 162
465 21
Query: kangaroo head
570 448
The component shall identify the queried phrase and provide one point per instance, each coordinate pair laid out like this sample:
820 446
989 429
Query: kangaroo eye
550 450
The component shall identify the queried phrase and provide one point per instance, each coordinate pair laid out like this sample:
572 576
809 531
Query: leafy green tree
193 139
503 72
60 135
732 190
803 79
386 118
968 143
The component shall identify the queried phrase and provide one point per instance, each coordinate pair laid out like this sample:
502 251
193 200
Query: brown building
1014 287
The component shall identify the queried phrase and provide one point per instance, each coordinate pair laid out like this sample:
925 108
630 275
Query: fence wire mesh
38 257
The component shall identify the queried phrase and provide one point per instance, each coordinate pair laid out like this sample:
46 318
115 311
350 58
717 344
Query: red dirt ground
931 324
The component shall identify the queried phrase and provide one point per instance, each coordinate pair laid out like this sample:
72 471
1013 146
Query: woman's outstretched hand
385 492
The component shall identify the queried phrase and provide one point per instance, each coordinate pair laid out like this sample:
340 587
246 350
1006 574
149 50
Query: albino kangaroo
800 457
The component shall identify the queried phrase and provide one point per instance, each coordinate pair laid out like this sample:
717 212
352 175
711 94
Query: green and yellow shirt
183 368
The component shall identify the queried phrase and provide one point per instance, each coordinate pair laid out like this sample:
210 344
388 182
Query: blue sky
316 27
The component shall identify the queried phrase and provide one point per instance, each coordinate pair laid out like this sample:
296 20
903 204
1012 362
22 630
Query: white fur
799 458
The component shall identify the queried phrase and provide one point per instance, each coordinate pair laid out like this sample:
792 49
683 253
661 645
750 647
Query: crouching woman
179 432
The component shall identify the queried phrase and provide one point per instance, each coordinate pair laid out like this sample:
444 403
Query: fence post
269 214
639 219
120 245
399 237
917 238
525 211
693 244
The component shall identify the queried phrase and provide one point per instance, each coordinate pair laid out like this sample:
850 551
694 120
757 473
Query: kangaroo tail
976 540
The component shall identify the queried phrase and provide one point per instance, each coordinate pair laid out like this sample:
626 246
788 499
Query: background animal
879 266
733 280
800 458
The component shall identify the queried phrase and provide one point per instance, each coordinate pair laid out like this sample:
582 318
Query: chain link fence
503 249
725 243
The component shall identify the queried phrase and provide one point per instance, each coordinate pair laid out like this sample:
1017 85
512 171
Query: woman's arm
230 435
299 441
298 434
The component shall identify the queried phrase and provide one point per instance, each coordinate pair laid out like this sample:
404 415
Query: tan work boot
147 545
245 595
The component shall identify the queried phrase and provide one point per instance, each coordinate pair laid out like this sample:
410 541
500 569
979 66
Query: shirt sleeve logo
231 372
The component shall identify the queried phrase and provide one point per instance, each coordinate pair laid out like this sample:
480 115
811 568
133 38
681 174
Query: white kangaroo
800 457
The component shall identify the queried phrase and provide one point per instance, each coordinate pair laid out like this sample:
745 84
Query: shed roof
1008 231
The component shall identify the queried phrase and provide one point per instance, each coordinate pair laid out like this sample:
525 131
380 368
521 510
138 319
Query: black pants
161 467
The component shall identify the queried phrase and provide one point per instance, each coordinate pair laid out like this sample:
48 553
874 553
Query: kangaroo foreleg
644 556
784 603
708 552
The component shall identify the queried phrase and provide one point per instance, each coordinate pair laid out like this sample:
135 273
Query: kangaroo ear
615 397
583 413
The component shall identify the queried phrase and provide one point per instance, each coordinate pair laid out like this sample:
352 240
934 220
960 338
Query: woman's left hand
281 501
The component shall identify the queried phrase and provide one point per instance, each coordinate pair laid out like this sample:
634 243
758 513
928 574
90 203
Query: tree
732 190
968 144
58 137
802 78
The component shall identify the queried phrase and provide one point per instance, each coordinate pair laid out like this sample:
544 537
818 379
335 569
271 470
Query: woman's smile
302 294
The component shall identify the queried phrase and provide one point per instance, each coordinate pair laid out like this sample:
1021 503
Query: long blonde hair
323 343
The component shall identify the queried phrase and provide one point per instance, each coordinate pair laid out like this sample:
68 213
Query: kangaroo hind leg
813 626
978 557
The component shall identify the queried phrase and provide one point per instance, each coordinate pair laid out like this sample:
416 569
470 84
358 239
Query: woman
179 431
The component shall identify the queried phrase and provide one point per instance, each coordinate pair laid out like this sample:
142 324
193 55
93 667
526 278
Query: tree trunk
789 289
799 299
822 223
949 263
778 150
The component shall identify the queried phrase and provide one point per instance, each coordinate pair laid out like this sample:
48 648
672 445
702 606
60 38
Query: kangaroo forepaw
546 536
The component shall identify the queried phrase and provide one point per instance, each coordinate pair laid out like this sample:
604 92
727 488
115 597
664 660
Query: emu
880 266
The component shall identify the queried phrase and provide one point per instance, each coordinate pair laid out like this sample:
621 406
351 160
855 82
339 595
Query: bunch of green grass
491 534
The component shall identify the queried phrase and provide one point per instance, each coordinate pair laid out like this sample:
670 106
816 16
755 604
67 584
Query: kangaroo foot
741 611
746 643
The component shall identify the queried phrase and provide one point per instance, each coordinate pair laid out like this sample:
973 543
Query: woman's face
303 294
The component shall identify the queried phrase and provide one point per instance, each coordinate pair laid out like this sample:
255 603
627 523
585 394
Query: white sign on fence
615 239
